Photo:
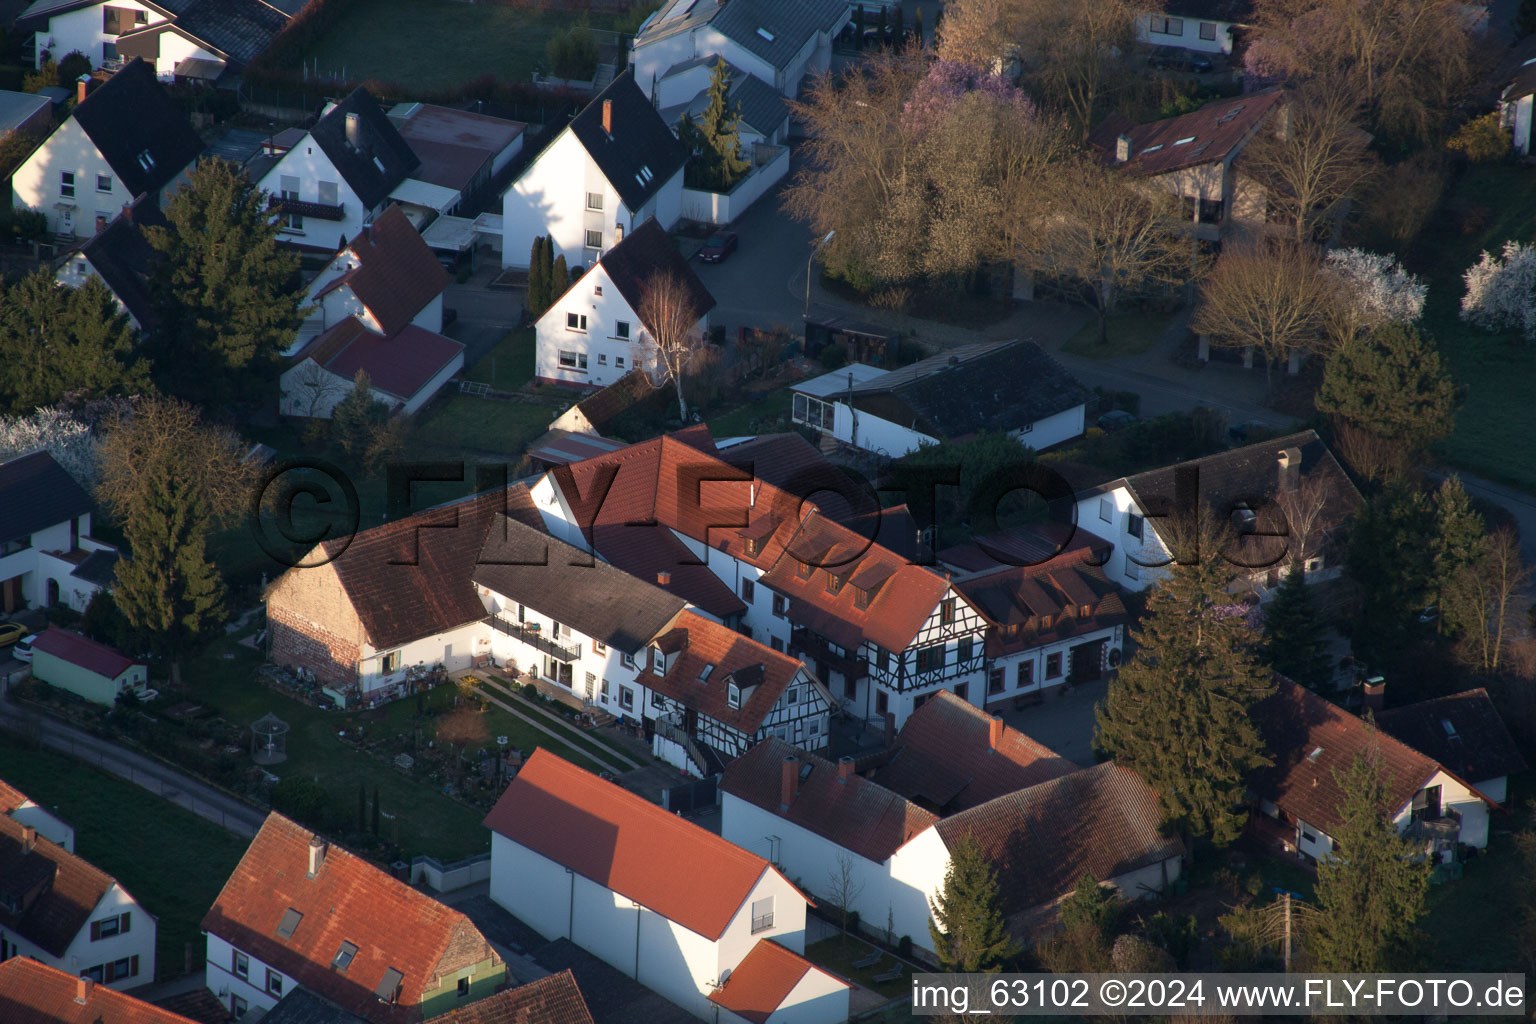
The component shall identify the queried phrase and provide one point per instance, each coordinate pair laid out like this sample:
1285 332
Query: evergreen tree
1392 386
1390 557
899 29
537 275
1295 640
57 342
229 296
1371 891
1091 905
1458 547
1178 714
362 806
858 25
559 279
884 26
967 928
357 417
716 162
917 25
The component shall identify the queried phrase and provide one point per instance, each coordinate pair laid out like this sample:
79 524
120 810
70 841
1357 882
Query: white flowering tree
1501 290
70 441
1370 290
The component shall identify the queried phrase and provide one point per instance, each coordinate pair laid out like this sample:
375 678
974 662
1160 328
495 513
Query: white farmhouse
1011 387
616 165
47 553
671 905
57 908
125 139
593 334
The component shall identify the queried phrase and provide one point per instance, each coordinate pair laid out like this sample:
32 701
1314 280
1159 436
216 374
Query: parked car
23 649
718 247
10 632
1116 419
1181 60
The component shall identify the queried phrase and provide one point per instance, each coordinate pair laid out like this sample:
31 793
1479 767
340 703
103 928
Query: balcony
1445 826
318 211
536 639
804 642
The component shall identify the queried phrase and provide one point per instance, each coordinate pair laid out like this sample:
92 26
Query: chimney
608 117
82 88
1290 468
1122 149
789 782
1375 693
28 838
128 212
844 769
353 129
316 855
83 989
663 578
994 732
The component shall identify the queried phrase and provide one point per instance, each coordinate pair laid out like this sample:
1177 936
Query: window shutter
95 930
127 919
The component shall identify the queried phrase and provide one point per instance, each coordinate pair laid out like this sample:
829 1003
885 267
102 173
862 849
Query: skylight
1184 141
765 34
1317 752
389 986
1450 730
146 160
704 673
344 956
290 921
1153 149
379 164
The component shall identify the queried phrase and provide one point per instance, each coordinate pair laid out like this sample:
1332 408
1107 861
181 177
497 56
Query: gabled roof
11 798
74 887
1032 544
67 645
996 386
1314 743
453 145
554 999
626 843
771 30
1104 820
852 811
32 992
1204 136
411 578
392 926
301 1006
400 364
396 274
144 137
239 29
762 107
645 253
1233 11
380 161
1018 599
124 259
642 154
766 976
17 108
762 673
36 493
604 405
946 757
1463 732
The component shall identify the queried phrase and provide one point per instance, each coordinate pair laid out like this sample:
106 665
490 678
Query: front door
1087 661
66 221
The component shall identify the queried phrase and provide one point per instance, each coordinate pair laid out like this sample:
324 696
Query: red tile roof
1033 545
1104 820
11 798
1203 136
734 657
946 758
400 364
34 993
852 812
1462 731
348 900
53 918
627 844
1016 600
1313 743
763 980
555 999
76 649
397 275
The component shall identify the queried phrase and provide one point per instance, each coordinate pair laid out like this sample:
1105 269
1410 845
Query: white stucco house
125 139
673 906
1206 26
776 986
593 334
47 553
23 810
67 913
121 257
1011 387
1515 104
616 165
1465 733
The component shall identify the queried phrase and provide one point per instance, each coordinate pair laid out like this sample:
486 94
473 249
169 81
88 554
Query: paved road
201 799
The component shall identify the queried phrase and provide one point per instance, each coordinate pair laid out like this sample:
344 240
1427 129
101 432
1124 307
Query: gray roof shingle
36 493
141 133
774 30
380 161
641 154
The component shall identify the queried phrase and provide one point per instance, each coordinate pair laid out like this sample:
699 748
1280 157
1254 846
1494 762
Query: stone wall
296 642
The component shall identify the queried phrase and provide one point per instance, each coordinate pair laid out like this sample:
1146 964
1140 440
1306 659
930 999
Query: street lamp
814 247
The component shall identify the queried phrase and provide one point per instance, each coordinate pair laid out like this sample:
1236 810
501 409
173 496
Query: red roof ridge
764 979
79 649
33 992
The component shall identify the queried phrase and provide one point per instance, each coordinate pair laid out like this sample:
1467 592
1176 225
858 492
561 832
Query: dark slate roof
301 1006
998 385
641 154
1235 11
1462 731
645 252
382 160
129 116
570 586
775 30
240 29
762 106
36 493
124 259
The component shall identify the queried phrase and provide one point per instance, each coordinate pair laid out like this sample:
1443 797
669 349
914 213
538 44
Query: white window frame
1208 26
587 238
104 178
67 184
621 330
594 200
576 322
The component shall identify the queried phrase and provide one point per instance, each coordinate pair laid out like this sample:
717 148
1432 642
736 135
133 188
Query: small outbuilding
76 663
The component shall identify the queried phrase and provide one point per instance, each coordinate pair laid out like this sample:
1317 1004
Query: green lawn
1496 427
739 421
464 421
172 861
1129 334
392 41
838 955
509 365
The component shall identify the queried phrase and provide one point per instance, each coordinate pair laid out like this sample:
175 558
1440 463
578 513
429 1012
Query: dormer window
658 661
1045 622
389 986
1084 611
733 695
834 583
860 597
804 571
344 957
752 546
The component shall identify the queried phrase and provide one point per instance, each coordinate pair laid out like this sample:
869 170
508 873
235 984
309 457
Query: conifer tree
356 417
1392 386
917 25
1295 641
967 927
57 342
858 25
375 808
559 279
537 275
1458 547
1371 891
716 137
1390 557
899 29
1179 713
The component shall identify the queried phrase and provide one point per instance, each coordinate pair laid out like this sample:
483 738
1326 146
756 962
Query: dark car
1116 419
1181 60
718 247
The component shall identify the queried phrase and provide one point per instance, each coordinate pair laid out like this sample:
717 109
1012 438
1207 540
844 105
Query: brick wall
296 642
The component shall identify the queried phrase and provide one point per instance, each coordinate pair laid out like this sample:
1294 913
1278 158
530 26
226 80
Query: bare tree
1311 159
1489 595
670 311
1091 225
317 389
1270 298
1303 507
979 32
844 887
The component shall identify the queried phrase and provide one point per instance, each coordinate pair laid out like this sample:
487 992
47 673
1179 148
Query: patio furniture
894 974
874 957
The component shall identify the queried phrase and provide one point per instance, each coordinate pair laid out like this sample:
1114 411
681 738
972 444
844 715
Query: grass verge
838 955
1129 334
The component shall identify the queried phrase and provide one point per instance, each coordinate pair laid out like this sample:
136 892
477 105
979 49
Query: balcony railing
1446 826
319 211
536 639
804 642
